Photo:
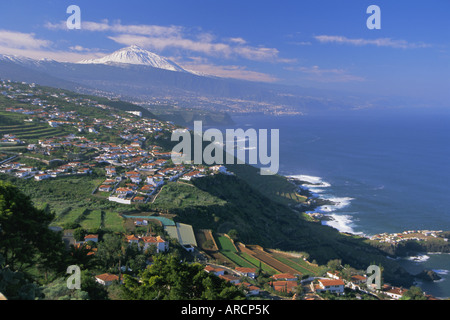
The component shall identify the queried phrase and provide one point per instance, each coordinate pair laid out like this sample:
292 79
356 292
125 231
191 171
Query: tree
79 234
14 285
169 279
57 290
95 290
24 230
414 293
111 251
299 290
334 265
233 234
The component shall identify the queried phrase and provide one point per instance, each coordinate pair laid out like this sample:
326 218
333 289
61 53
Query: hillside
222 203
139 75
261 215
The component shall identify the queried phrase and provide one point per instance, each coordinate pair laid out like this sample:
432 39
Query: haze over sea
388 172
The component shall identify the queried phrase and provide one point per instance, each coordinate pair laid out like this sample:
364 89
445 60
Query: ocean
386 172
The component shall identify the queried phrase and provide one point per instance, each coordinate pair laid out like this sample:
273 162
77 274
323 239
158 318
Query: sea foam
441 271
419 258
320 188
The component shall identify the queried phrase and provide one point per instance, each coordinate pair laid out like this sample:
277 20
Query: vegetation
25 239
258 220
410 247
169 279
413 293
71 199
26 244
275 187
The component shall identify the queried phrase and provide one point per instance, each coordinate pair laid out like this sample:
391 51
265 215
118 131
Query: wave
237 139
320 188
418 258
311 181
341 222
441 271
339 203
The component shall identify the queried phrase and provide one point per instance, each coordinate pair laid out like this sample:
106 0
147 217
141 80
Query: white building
329 285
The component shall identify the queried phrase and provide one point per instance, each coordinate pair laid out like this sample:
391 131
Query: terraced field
205 240
298 264
268 259
30 131
90 219
238 258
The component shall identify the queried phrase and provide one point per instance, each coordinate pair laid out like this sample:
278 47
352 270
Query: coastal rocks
428 275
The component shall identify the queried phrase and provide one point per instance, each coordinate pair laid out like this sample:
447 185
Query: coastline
323 207
416 263
309 166
320 207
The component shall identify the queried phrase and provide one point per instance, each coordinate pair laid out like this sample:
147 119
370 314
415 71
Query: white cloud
203 66
118 27
73 55
315 73
162 43
237 40
19 40
159 38
380 42
27 45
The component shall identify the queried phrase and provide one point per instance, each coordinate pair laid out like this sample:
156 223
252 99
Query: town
418 235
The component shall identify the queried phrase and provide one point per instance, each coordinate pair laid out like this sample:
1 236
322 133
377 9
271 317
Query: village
135 169
336 281
418 235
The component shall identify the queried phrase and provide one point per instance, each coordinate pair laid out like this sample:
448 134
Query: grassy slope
71 200
275 187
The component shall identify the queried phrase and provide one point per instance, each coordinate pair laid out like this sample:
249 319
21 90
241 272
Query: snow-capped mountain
139 56
21 59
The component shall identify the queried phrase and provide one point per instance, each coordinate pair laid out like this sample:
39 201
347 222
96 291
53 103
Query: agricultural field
240 258
205 240
298 264
28 131
91 219
182 195
292 196
71 200
259 254
227 248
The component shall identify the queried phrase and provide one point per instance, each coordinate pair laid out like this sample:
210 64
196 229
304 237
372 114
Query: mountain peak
137 56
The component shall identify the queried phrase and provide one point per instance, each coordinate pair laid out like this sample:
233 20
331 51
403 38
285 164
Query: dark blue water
387 172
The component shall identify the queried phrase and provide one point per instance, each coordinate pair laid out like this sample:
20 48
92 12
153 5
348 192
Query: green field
300 265
71 200
257 263
225 244
91 219
182 195
228 250
239 258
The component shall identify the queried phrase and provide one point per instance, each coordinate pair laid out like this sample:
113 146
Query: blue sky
314 43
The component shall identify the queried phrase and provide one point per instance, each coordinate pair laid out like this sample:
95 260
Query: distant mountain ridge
140 76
